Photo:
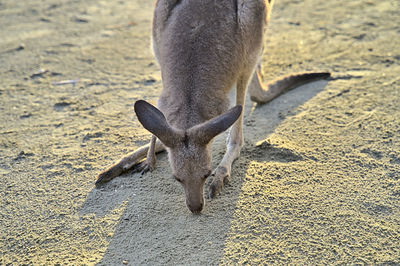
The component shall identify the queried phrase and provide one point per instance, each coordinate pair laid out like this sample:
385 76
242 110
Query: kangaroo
204 48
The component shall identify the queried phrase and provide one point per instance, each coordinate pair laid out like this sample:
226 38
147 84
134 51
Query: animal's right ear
154 121
205 132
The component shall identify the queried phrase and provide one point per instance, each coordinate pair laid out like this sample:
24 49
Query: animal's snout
195 208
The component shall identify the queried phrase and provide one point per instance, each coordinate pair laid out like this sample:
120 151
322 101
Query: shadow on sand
157 228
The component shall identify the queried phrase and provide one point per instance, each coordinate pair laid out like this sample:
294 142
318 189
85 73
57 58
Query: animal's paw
220 176
143 167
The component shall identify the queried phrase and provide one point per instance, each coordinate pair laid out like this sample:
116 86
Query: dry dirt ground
317 183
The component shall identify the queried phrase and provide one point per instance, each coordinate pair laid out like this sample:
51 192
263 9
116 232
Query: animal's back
201 48
199 41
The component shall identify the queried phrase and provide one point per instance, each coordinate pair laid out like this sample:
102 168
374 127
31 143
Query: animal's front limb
235 142
150 162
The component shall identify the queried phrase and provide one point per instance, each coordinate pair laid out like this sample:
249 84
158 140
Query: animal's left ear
154 121
206 131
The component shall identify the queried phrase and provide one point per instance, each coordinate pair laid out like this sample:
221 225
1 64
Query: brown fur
204 49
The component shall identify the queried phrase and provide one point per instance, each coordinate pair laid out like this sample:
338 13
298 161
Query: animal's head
188 150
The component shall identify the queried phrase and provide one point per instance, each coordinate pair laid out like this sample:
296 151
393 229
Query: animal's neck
182 111
186 103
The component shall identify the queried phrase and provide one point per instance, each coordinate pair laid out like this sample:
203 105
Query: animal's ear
154 121
206 131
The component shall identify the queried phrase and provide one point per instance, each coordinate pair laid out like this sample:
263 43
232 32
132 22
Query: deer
204 49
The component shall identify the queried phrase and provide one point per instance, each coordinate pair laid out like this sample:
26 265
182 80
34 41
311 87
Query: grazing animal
204 49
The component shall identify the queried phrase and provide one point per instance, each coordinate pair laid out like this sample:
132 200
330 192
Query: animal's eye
178 179
207 175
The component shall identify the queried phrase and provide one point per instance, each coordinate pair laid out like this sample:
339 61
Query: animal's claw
142 168
219 176
146 169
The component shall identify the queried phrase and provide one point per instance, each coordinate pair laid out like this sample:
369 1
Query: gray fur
204 48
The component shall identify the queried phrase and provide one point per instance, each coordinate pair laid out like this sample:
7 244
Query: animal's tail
264 93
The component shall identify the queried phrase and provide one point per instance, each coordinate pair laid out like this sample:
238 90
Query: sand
317 182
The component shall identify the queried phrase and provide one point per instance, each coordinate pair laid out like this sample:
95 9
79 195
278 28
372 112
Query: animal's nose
195 208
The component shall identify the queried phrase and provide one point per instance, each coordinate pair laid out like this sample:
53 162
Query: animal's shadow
157 228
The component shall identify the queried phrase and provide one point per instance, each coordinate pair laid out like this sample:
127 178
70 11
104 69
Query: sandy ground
317 183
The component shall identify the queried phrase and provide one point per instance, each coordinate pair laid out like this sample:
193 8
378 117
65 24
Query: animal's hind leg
235 142
133 161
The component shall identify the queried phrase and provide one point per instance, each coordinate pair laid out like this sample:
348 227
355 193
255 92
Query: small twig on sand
64 82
